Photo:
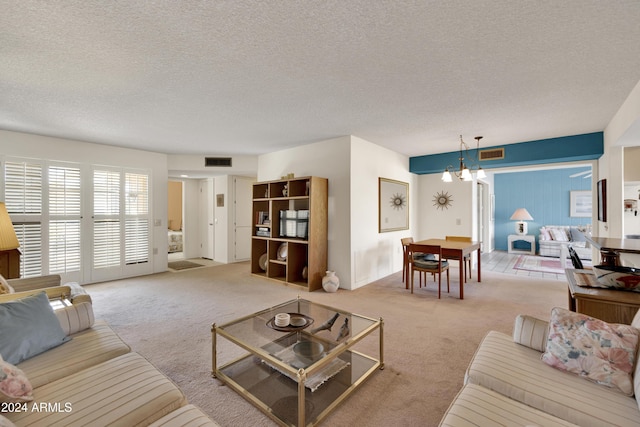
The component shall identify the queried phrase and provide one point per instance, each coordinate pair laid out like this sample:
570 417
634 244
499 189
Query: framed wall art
581 206
393 205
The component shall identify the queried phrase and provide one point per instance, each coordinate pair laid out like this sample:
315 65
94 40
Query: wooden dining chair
467 258
406 241
422 265
405 260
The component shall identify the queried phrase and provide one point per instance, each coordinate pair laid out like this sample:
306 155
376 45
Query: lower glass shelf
277 395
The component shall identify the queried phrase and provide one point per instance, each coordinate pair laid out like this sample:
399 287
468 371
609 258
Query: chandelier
464 174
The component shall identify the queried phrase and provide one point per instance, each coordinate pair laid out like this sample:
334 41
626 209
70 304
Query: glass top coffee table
298 373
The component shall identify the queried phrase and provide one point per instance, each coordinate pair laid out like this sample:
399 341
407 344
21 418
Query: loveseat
554 239
63 368
508 383
49 283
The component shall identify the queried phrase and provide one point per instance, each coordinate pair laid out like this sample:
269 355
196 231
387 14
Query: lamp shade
521 214
8 238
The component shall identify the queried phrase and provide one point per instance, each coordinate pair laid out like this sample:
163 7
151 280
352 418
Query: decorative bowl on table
308 350
618 277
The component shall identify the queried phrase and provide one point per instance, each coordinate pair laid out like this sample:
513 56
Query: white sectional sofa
92 378
507 384
554 239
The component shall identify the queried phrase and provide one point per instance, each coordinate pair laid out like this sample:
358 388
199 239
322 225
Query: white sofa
507 383
93 378
554 239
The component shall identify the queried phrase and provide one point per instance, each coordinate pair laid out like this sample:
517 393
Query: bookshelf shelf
291 218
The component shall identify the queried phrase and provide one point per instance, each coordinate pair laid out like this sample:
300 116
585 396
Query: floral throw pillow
14 385
591 348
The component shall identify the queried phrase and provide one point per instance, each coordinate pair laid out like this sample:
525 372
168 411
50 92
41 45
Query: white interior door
211 235
242 217
206 219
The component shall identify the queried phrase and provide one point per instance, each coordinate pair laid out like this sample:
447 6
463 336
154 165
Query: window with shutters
64 219
45 202
23 198
106 218
137 218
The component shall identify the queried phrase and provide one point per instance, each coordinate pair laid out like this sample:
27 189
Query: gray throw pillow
28 326
577 235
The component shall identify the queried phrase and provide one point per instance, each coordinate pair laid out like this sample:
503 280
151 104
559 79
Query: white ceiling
249 77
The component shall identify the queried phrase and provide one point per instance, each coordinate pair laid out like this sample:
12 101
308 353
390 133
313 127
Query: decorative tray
298 322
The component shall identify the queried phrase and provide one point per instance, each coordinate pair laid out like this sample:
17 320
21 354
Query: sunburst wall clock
442 200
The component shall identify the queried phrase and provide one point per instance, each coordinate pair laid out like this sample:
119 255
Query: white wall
326 159
194 164
457 220
357 252
58 149
375 255
632 164
622 129
632 218
631 188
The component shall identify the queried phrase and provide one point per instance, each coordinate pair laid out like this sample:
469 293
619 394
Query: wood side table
10 264
524 237
610 305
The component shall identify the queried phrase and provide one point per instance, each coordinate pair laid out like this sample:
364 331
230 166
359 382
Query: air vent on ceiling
491 154
217 161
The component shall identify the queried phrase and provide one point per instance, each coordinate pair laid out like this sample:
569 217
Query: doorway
175 235
484 216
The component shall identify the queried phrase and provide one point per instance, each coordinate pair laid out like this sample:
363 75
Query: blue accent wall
589 146
544 193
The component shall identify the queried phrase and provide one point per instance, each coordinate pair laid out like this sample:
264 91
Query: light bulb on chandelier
464 174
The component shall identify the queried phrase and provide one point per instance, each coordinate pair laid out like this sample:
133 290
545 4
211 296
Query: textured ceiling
249 77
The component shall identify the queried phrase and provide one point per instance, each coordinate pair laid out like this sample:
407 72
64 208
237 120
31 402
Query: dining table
458 250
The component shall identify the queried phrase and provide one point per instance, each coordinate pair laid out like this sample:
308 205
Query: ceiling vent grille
210 162
492 154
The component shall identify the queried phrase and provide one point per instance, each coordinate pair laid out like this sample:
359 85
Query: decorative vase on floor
330 282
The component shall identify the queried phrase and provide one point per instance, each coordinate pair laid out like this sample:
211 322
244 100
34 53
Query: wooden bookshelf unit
289 242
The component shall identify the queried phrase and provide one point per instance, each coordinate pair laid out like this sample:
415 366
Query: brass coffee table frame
260 377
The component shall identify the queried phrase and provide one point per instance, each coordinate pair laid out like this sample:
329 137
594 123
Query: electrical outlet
458 221
157 222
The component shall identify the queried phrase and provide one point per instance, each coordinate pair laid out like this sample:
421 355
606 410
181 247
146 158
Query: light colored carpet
428 342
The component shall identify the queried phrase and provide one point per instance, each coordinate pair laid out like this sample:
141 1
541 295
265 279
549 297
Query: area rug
183 265
541 264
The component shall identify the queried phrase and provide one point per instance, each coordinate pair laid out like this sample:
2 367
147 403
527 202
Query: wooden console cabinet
289 242
613 306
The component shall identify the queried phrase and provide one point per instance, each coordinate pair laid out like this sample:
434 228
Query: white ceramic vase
330 282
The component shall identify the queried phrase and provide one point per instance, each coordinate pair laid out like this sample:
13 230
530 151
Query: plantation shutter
23 198
64 219
106 219
137 218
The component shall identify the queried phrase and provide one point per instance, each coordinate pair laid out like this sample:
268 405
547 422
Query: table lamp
521 215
